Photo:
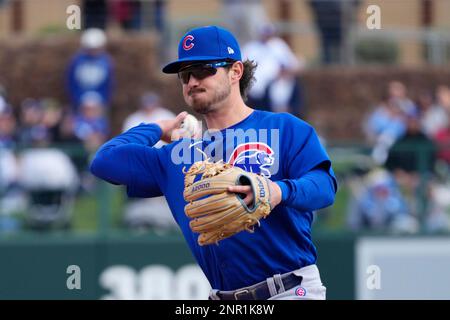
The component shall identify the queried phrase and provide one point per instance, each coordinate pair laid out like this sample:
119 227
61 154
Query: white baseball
190 124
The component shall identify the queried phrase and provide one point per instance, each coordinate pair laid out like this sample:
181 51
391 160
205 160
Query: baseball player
287 173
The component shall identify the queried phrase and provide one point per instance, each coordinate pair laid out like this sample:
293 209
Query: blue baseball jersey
279 146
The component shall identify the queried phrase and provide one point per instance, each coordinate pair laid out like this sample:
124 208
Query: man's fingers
174 129
248 199
240 189
179 119
245 190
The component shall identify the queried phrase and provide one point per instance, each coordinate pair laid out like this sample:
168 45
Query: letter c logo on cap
190 39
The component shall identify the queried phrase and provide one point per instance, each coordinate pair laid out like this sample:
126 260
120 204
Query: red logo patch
188 46
300 291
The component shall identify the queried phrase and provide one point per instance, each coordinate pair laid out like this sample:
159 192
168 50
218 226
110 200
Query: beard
204 105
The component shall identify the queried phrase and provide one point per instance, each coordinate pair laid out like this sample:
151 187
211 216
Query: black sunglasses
200 70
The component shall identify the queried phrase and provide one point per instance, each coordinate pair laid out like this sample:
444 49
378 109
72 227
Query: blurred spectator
414 152
3 103
386 119
7 127
378 205
412 160
442 139
66 131
328 17
159 15
433 116
127 13
9 170
91 128
39 122
32 131
51 181
284 94
7 145
383 127
95 13
243 18
388 122
397 90
52 117
91 125
91 69
442 136
12 199
277 70
149 213
438 219
333 19
150 110
66 136
443 98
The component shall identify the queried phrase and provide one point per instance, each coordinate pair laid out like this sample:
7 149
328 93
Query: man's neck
228 115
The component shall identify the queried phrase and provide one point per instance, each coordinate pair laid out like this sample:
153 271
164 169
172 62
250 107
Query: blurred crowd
35 135
406 187
46 137
45 146
127 14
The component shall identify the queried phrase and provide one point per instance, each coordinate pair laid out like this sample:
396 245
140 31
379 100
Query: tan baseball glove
216 213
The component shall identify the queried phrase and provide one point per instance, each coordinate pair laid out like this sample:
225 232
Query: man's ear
237 70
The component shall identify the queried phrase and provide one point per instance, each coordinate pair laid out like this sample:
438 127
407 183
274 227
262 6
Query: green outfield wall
124 266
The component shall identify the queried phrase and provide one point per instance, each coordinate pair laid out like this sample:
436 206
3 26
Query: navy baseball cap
210 43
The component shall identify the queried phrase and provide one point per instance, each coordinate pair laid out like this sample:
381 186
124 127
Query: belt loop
213 294
271 286
279 282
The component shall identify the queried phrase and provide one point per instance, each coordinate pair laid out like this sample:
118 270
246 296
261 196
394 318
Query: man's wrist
284 189
275 194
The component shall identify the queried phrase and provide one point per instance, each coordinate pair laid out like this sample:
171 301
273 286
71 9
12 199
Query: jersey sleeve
129 159
310 181
302 150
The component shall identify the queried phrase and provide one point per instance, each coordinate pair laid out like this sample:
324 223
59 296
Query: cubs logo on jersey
256 157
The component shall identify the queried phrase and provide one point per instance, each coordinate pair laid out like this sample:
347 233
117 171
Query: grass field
87 215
